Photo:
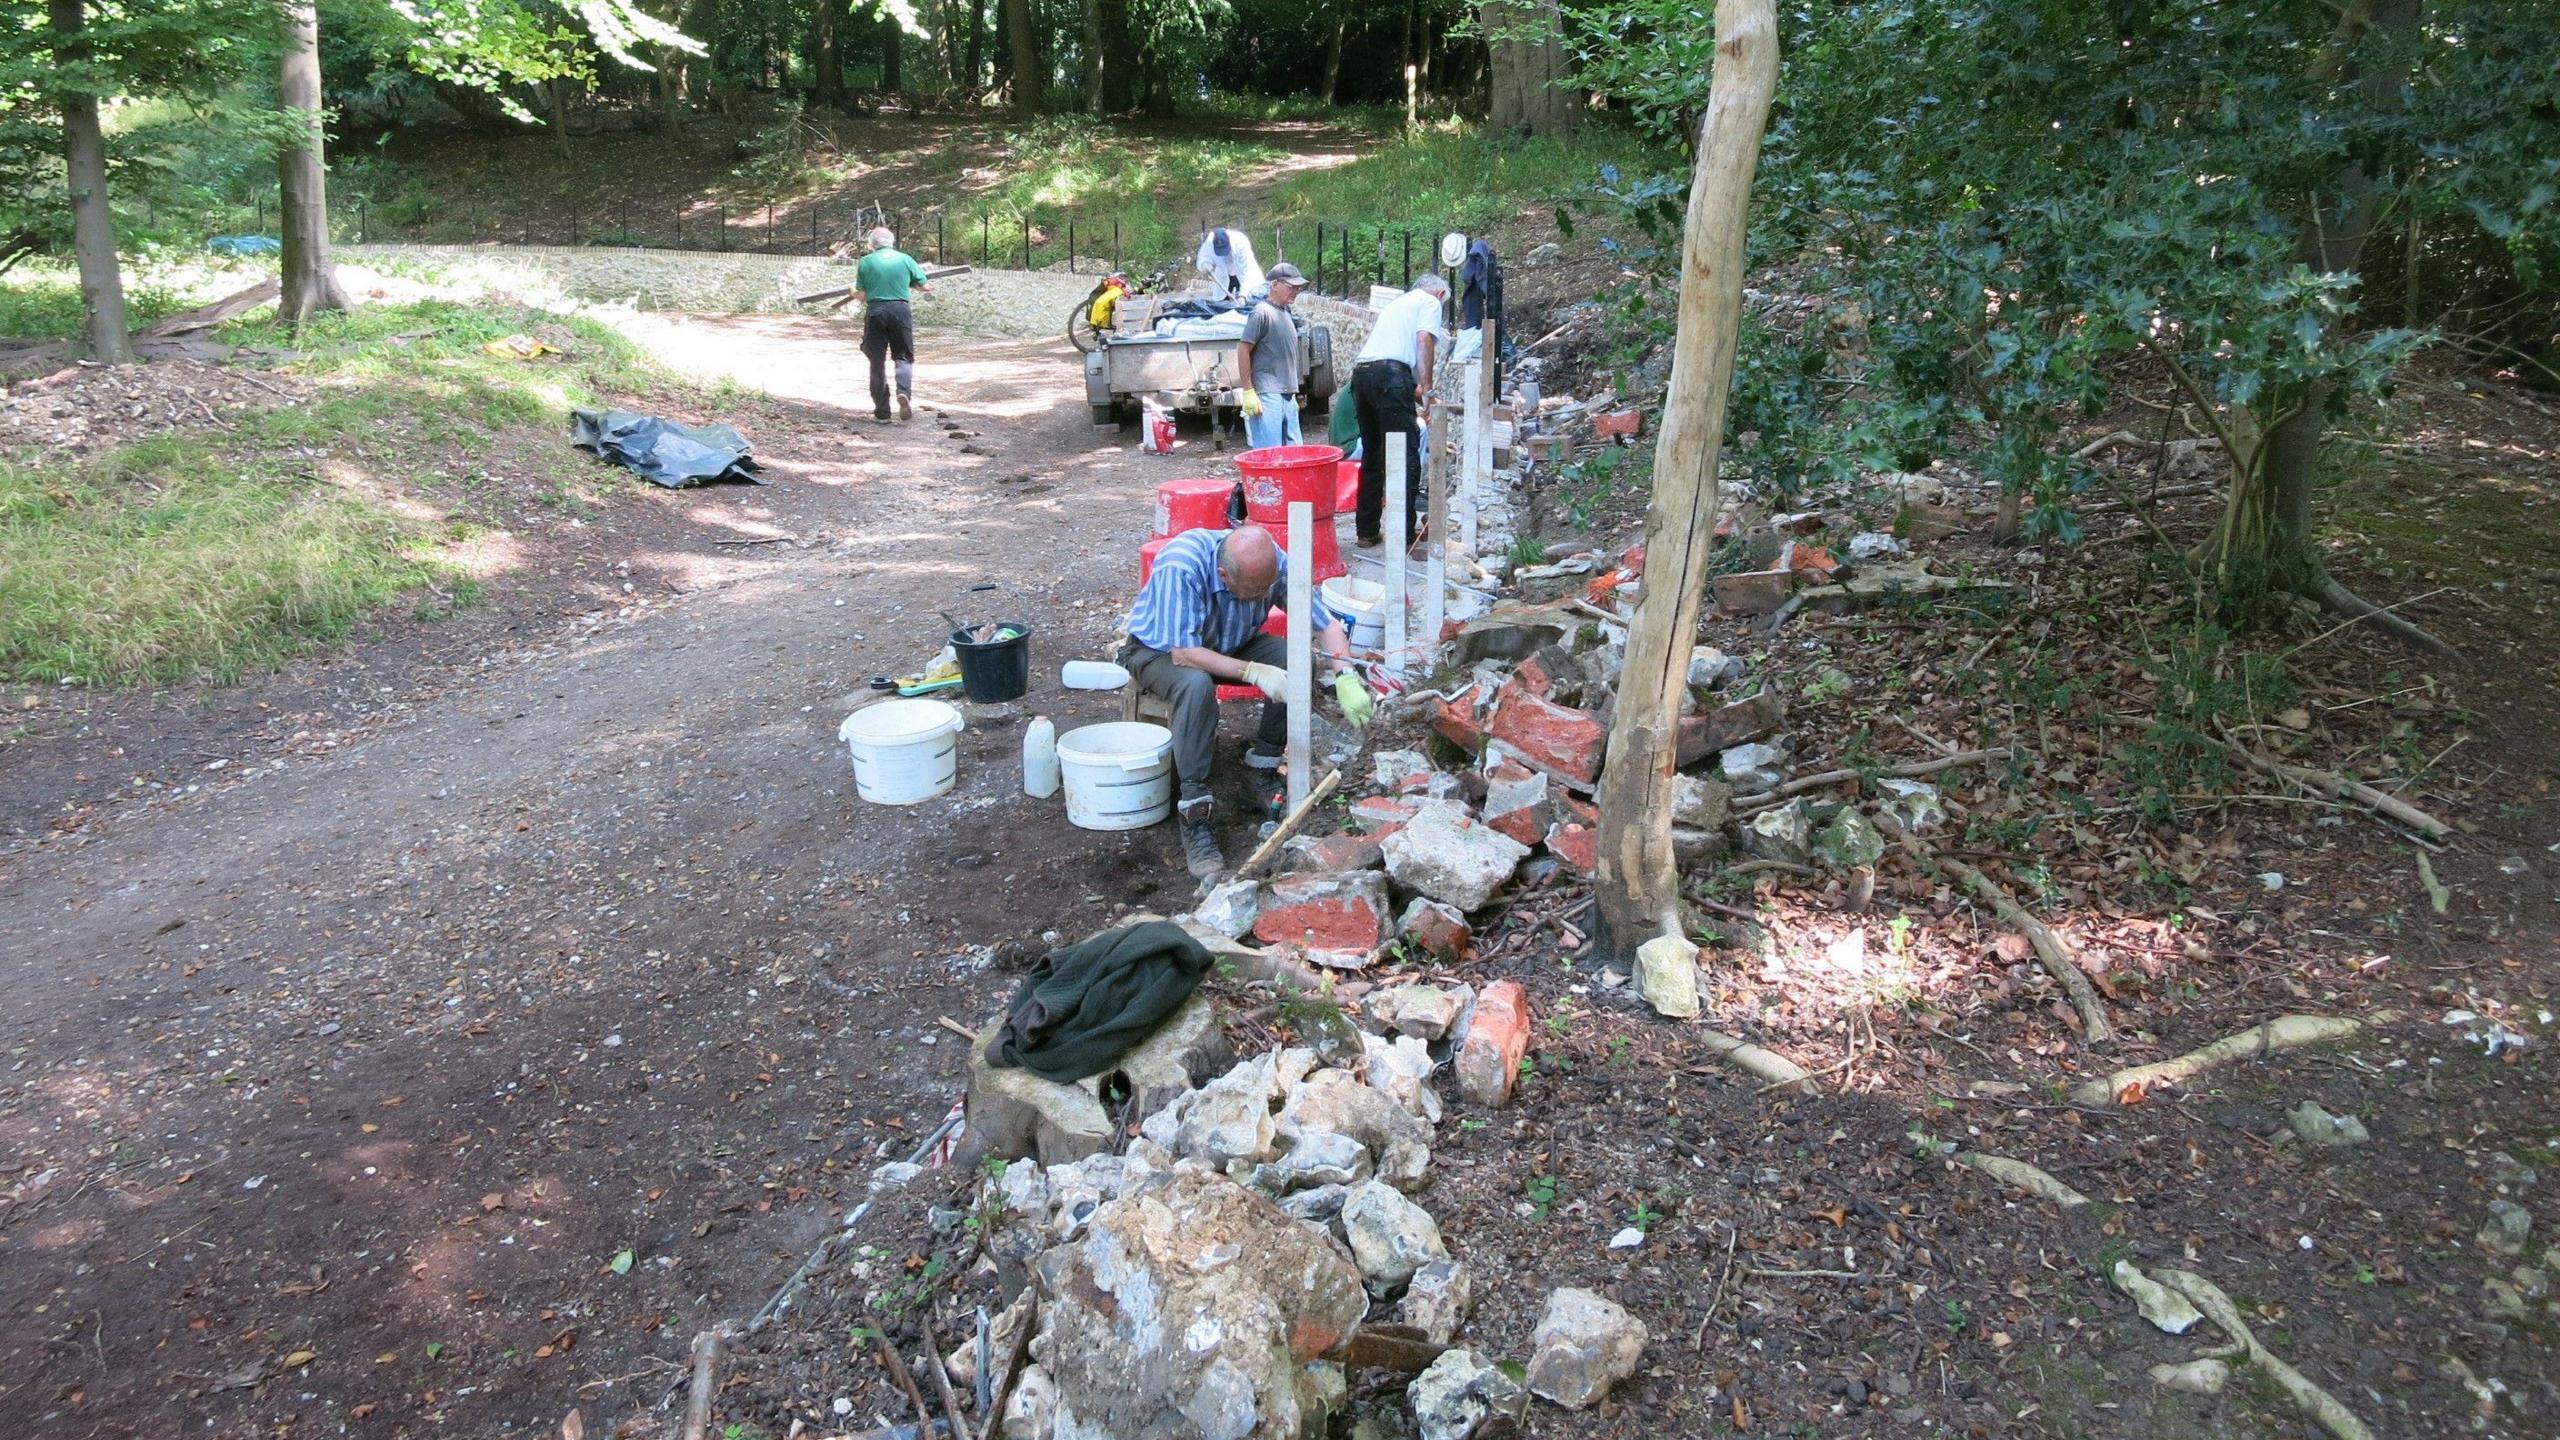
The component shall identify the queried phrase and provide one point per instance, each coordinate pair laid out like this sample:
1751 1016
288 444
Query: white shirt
1237 264
1398 333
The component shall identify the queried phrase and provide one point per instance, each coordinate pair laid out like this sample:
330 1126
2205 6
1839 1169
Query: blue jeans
1277 425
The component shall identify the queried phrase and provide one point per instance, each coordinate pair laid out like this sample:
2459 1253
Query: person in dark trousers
1199 621
1387 386
885 280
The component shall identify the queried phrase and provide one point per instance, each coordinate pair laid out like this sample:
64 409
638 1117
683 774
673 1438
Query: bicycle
1082 331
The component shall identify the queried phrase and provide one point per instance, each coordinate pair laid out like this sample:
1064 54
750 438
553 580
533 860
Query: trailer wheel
1320 367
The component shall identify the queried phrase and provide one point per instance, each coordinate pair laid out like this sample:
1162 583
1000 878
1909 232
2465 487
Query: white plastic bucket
1362 605
903 751
1119 776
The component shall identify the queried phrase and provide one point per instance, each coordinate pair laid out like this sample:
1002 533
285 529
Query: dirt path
463 1072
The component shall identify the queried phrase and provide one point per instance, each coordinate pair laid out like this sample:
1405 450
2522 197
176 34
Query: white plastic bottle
1040 758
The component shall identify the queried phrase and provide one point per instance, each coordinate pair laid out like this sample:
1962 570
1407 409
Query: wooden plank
1393 576
1435 565
1480 404
1302 663
931 274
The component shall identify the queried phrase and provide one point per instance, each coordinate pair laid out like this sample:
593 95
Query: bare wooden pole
1398 538
1302 659
1480 399
1435 565
1639 889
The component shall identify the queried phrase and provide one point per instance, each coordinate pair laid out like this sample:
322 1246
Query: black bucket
994 670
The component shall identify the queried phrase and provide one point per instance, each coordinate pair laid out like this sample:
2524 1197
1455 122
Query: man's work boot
1200 852
906 406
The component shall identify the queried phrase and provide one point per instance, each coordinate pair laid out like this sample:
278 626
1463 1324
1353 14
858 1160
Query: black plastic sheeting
664 452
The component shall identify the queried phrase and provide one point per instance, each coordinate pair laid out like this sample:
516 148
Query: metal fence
1340 259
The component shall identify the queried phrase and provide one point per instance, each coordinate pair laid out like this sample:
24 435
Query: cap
1285 271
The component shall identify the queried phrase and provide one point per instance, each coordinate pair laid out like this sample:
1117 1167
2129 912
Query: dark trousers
889 330
1194 697
1382 395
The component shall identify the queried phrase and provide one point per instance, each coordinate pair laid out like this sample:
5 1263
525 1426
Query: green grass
1456 176
40 299
214 555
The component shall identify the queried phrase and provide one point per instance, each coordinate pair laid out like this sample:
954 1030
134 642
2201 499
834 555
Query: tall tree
1090 12
1639 890
893 71
1532 85
1329 90
309 282
1028 78
84 161
826 53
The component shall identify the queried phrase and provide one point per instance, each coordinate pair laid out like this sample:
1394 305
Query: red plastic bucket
1147 557
1191 505
1346 493
1278 474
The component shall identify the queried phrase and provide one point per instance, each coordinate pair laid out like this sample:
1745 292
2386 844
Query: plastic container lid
1349 593
1092 675
899 722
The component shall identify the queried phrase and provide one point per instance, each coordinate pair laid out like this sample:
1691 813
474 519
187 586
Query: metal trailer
1190 374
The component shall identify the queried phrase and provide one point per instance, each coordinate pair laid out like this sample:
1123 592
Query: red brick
1577 845
1725 726
1333 854
1336 913
1578 809
1457 721
1631 559
1380 816
1556 738
1812 562
1522 824
1753 592
1622 423
1489 1058
1438 929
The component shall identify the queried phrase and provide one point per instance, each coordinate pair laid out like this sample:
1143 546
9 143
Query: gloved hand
1250 403
1271 680
1357 706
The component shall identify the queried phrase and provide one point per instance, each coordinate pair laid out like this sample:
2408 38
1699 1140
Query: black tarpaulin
664 452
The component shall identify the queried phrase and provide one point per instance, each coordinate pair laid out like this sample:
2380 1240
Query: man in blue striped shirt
1199 621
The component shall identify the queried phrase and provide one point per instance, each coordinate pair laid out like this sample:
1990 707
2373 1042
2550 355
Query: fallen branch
706 1365
1013 1369
2339 787
1910 771
2049 948
205 317
888 1360
2023 1176
1289 825
2285 1032
2319 1404
1779 1071
941 1381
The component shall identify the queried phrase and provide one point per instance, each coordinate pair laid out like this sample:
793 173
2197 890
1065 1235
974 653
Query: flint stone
1784 833
1451 858
1539 584
1391 1237
1693 849
1230 909
1584 1344
1335 1101
1753 769
1667 976
1454 1396
1402 1068
1726 726
1226 1120
1849 842
1700 804
1914 804
1710 667
2509 1225
1195 1308
1315 1160
1437 1299
1875 545
2322 1130
1424 1012
1320 1207
1031 1412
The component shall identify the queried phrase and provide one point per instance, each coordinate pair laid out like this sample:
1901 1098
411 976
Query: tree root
2056 956
2339 787
2339 600
2319 1404
2285 1032
1779 1071
1779 796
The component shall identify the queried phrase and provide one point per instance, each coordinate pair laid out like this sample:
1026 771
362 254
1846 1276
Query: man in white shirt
1226 257
1387 386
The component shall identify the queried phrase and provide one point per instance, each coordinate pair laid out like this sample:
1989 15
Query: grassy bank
212 553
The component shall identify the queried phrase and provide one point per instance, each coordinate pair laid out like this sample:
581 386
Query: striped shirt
1186 601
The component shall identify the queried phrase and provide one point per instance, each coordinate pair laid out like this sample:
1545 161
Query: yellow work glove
1357 707
1250 403
1271 680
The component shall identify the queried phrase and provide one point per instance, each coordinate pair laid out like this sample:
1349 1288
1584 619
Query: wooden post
1393 577
1302 658
1435 566
1486 388
1639 883
1471 451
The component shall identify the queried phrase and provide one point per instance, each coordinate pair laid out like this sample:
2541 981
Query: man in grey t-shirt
1267 361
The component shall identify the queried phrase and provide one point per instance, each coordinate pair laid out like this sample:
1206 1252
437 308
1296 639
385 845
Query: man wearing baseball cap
1267 363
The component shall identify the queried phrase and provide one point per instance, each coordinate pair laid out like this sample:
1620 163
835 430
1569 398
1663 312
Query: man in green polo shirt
884 280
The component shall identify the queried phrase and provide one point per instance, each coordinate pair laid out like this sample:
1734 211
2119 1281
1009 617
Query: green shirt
1346 418
887 274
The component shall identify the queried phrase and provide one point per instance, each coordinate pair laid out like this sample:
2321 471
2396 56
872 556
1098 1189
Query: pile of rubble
1257 1243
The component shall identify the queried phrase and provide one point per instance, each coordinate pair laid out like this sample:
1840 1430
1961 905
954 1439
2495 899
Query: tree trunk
977 45
309 283
1330 92
93 220
893 49
1092 87
1532 91
1028 79
826 54
1639 889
